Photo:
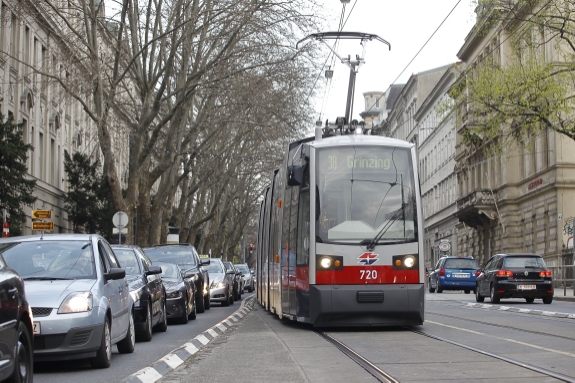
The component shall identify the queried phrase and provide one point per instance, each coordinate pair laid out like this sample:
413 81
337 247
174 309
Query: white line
457 328
524 310
541 348
221 327
191 348
172 360
548 313
234 319
504 308
230 324
148 375
202 339
212 333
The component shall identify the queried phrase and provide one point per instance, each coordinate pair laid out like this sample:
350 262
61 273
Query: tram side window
303 229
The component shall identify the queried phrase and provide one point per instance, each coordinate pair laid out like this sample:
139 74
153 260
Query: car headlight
76 303
195 277
174 294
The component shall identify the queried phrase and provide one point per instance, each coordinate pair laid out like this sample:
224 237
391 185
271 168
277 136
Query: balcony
476 208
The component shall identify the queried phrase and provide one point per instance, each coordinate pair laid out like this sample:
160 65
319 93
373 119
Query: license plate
461 275
36 328
526 287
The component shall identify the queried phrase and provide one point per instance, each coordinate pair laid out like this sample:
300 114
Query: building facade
52 121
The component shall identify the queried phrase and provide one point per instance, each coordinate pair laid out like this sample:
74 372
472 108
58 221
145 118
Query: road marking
221 327
173 361
149 375
509 340
212 333
202 339
457 328
191 348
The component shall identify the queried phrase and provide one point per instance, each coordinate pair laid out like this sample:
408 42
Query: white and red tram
340 233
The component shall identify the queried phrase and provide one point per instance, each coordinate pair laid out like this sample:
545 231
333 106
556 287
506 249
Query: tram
340 235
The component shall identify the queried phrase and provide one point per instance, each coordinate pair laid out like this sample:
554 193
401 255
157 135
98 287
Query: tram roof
360 140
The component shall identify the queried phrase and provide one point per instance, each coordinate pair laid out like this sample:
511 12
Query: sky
406 25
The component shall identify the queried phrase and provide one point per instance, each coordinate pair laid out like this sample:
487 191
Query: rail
563 279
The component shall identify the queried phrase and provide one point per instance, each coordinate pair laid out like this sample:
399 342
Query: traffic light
251 247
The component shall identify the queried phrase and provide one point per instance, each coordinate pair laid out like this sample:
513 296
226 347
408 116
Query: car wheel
163 325
184 317
529 300
232 297
478 297
494 297
200 302
431 289
467 291
547 300
23 370
127 345
226 302
103 357
207 304
193 314
146 336
439 288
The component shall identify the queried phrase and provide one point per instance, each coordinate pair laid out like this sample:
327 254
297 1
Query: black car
238 280
186 257
515 276
146 289
16 328
180 291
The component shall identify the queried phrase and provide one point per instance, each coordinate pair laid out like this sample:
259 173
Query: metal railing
563 279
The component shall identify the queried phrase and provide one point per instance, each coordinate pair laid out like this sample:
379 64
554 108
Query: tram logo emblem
368 258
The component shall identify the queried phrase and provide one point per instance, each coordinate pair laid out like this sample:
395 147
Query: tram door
288 264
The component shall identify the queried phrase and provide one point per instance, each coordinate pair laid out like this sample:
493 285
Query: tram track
384 377
375 371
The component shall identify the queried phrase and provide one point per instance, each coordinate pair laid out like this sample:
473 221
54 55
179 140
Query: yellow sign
41 214
204 255
48 226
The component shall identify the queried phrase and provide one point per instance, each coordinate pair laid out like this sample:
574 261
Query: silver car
222 282
80 300
246 276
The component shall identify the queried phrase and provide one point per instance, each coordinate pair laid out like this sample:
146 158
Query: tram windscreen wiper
394 217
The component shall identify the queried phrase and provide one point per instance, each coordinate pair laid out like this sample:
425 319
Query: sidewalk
558 295
251 349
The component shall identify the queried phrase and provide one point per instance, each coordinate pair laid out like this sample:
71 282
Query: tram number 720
367 274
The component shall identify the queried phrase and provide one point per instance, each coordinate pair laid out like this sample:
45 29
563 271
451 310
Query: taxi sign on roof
204 255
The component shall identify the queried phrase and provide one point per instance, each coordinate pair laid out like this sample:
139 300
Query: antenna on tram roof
352 64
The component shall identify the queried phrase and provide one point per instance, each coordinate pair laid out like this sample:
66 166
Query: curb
174 359
522 311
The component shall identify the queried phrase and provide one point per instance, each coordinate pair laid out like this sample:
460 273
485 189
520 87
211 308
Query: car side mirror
204 261
152 270
189 274
230 272
115 274
294 175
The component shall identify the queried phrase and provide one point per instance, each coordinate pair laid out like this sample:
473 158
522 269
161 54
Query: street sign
120 219
41 214
46 226
115 230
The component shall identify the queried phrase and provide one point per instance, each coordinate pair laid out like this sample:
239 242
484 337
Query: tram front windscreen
364 193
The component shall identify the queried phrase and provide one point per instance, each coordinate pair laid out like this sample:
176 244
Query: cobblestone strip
174 359
522 311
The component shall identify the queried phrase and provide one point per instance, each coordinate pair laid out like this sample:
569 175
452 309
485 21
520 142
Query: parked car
16 327
222 289
186 257
238 281
180 292
454 273
246 276
515 276
80 299
146 289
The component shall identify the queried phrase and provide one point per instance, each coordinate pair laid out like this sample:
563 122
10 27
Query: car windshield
214 267
363 193
461 263
169 270
128 261
50 260
524 262
243 268
180 256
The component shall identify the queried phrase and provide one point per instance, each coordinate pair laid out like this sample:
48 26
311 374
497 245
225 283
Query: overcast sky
406 25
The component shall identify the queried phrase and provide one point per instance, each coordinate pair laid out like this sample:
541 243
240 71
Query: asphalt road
144 355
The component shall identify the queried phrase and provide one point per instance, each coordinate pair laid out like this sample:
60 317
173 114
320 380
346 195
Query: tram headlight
325 262
409 261
405 262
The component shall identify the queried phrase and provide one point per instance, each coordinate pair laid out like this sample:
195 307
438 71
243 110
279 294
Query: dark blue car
454 273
